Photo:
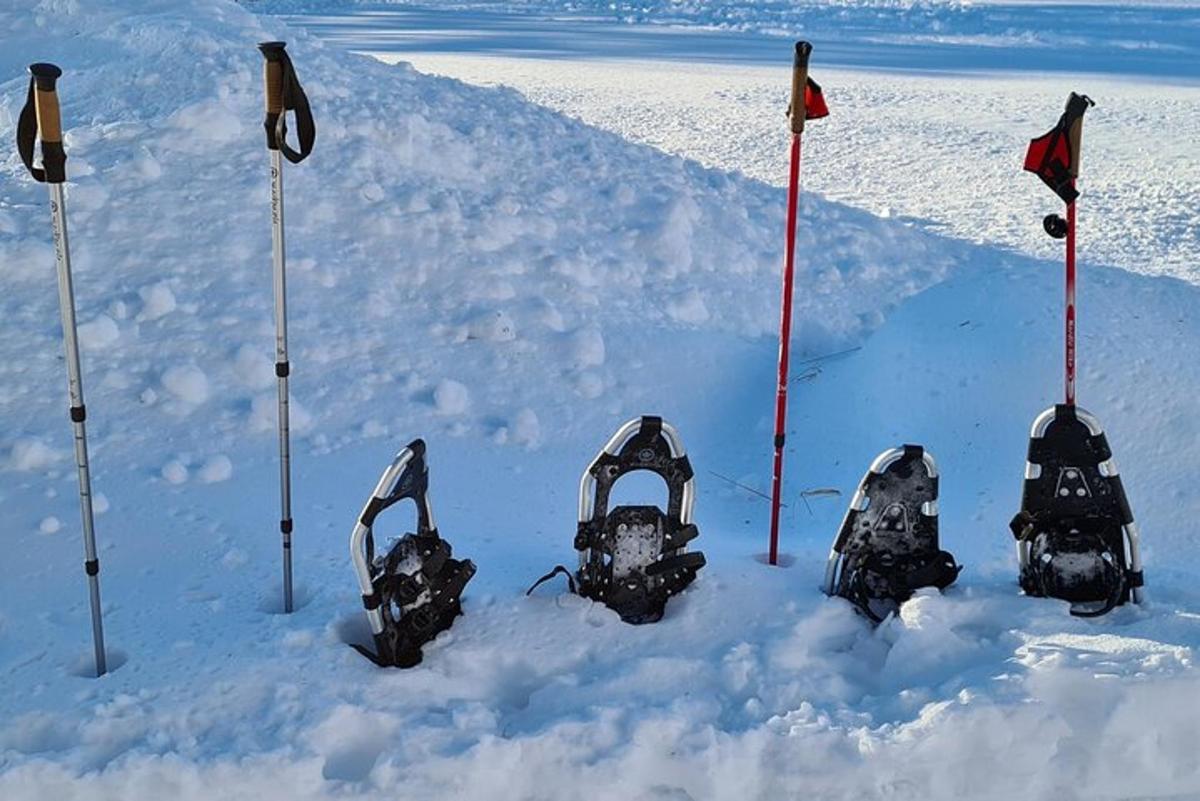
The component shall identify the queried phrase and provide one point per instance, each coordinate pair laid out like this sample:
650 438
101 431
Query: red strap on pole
1070 332
785 337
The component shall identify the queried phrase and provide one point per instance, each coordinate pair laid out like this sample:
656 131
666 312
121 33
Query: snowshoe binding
1076 536
887 545
634 558
412 592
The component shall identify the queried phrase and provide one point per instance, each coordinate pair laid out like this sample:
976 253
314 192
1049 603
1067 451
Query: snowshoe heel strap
557 571
940 572
691 562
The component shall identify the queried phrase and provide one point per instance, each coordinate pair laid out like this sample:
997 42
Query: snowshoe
887 546
412 592
634 558
1075 522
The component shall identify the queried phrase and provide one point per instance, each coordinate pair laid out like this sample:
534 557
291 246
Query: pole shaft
1070 321
282 371
785 336
66 302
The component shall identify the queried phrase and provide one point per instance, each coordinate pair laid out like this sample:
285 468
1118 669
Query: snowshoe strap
882 578
677 565
1043 576
1022 526
558 570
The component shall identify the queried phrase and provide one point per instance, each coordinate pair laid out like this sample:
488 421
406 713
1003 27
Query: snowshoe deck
887 545
411 593
634 558
1075 521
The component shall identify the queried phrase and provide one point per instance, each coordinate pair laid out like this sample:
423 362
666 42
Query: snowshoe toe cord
1076 536
411 593
887 546
634 558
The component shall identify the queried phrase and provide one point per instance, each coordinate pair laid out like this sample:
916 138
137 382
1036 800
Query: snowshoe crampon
634 558
412 592
887 546
1076 537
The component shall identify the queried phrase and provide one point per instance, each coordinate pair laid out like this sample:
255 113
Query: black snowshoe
887 546
634 558
1075 521
412 592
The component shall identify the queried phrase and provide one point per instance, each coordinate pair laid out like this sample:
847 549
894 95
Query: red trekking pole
807 104
1054 157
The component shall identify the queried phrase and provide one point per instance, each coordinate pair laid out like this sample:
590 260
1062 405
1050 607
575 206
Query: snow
187 383
216 468
512 284
909 119
451 398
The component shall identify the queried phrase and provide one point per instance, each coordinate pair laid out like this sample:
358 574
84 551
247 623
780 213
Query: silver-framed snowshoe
887 546
634 558
413 592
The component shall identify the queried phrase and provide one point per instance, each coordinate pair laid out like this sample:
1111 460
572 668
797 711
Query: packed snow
511 284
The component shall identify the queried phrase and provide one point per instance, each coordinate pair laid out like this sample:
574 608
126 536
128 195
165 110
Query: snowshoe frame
919 563
1100 495
406 610
637 592
634 558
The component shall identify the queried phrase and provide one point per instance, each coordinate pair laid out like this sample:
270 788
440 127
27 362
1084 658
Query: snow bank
550 280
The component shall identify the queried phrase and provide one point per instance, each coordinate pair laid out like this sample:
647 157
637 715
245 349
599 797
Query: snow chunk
688 308
206 122
451 398
99 333
493 326
587 347
50 525
526 429
175 472
157 300
216 468
253 368
31 453
264 414
187 383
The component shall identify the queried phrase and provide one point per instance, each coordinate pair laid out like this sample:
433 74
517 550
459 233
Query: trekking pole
40 119
283 94
1054 157
807 104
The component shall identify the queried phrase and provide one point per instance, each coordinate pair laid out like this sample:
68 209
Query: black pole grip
796 110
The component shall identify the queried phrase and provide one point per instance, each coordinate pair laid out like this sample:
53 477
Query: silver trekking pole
283 94
40 119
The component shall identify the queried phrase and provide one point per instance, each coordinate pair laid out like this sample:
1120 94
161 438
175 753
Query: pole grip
796 110
45 102
1078 104
273 55
46 125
